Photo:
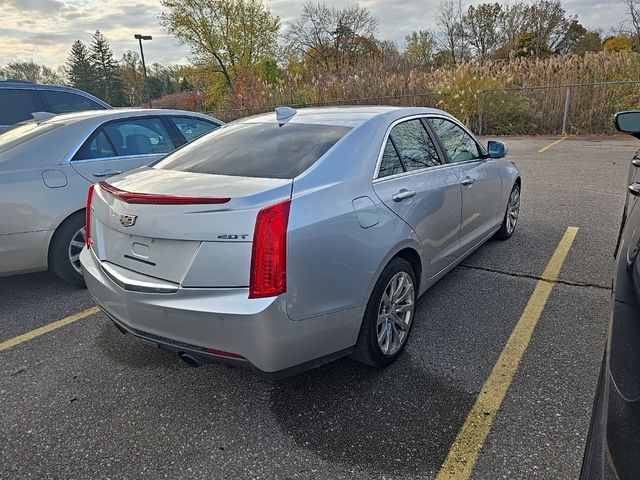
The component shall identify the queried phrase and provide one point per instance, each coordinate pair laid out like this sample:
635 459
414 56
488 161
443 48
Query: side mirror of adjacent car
628 122
497 149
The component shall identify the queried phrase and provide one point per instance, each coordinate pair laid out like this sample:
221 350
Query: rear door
121 145
479 177
416 183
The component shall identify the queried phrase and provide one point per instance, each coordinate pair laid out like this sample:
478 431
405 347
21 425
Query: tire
61 249
368 348
511 214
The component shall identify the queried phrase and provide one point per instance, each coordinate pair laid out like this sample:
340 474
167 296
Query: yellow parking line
470 439
12 342
547 147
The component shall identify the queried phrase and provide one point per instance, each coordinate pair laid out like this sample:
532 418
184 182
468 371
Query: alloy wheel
395 313
76 245
513 210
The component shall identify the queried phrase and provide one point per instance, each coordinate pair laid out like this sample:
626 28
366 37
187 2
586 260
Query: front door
422 189
479 178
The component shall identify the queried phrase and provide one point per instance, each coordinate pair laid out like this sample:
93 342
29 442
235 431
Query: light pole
139 37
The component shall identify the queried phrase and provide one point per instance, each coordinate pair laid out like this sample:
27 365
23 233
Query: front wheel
511 215
66 245
389 316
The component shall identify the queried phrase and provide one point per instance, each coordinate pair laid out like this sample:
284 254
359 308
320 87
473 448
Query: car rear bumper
224 325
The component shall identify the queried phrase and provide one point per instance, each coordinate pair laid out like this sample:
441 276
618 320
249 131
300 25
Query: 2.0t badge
127 220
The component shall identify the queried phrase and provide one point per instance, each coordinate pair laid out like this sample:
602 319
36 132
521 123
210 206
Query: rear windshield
264 150
23 133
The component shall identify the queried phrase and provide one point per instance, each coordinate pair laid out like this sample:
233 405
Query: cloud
45 29
43 6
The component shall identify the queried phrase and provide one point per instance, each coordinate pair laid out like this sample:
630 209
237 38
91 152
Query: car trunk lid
191 229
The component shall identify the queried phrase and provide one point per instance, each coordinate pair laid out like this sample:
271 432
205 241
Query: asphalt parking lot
84 401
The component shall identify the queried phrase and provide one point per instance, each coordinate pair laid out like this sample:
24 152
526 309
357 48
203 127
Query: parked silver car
282 241
46 168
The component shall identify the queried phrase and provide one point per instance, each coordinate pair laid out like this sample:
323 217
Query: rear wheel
66 245
389 316
511 215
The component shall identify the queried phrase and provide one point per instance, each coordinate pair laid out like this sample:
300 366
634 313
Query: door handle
468 181
635 162
106 173
634 189
402 194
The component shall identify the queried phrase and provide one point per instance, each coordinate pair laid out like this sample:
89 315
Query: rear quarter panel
28 206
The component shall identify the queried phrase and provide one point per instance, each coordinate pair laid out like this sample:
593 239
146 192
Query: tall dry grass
502 96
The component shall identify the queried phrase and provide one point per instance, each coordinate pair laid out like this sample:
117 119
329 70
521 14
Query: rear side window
193 128
264 150
391 164
139 136
98 146
414 146
16 105
61 102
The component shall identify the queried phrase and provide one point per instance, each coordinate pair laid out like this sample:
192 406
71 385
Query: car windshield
265 150
23 133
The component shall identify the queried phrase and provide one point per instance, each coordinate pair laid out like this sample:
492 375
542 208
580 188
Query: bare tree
633 9
30 71
452 36
333 37
548 24
420 47
482 28
513 22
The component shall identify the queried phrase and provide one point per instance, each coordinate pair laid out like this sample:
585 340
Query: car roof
100 116
350 116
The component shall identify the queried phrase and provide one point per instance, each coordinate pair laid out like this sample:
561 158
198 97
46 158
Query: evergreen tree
80 69
110 87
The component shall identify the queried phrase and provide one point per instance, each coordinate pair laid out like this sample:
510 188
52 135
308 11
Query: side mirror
496 149
628 122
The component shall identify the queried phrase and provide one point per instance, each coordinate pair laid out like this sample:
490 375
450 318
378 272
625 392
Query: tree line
240 44
240 50
94 69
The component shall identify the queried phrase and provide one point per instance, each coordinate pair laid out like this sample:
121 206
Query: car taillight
269 253
88 215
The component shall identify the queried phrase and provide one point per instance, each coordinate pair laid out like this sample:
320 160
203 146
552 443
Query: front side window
139 136
193 128
64 102
458 144
265 150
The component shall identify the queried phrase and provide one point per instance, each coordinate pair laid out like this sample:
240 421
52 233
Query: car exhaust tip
121 329
189 360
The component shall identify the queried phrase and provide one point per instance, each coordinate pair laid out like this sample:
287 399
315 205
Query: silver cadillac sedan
285 240
48 164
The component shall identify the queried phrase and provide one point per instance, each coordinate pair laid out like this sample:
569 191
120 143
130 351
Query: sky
43 30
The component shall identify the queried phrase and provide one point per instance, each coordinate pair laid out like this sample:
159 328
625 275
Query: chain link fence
577 108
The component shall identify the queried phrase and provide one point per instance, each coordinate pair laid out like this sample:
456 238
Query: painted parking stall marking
12 342
547 147
468 444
